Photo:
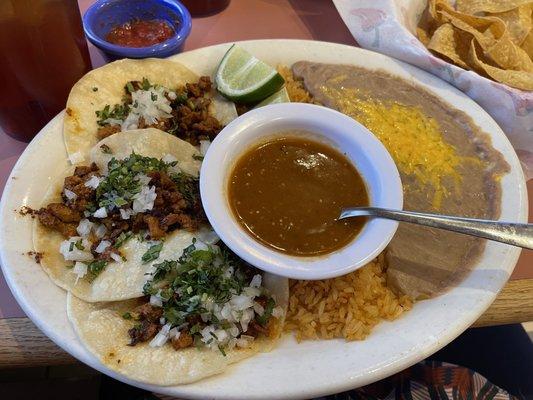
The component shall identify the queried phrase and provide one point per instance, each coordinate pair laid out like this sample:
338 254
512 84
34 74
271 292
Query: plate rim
380 373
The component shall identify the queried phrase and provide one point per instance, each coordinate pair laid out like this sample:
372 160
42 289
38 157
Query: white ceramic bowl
323 124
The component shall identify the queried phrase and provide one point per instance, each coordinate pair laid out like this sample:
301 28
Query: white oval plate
292 370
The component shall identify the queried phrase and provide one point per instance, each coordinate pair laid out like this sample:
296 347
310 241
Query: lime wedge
281 96
243 78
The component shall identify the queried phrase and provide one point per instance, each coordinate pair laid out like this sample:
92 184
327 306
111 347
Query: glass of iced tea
43 52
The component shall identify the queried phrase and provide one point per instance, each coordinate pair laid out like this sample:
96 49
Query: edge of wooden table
22 344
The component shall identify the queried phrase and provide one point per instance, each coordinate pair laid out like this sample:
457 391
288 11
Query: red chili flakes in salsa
140 33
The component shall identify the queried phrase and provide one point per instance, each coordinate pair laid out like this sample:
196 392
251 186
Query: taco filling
207 298
182 111
143 196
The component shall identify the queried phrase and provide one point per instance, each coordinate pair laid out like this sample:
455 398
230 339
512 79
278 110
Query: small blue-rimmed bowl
104 15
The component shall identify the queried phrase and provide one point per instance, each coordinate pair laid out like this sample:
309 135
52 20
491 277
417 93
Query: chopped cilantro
122 183
95 268
71 246
119 202
152 253
122 238
263 319
127 315
188 186
198 157
196 275
78 245
146 84
129 87
95 89
181 97
153 96
192 285
119 111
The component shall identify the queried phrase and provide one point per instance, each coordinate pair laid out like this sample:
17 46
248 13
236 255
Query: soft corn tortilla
105 85
119 280
104 332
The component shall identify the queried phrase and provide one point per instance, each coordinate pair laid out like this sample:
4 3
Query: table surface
23 344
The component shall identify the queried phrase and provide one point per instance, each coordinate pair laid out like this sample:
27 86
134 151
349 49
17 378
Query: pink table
242 20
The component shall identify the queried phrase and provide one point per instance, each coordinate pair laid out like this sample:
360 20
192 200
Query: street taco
102 226
203 310
135 94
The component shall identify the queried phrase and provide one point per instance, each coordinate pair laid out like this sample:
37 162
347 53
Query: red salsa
140 33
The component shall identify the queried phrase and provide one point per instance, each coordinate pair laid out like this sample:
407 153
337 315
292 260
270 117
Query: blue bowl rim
163 47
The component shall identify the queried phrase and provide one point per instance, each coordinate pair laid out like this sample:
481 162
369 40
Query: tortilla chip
527 45
518 79
491 6
450 43
508 55
500 31
475 26
518 22
423 36
494 38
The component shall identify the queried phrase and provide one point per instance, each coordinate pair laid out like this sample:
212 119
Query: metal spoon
506 232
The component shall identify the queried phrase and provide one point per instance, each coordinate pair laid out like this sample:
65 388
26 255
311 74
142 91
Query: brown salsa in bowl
288 192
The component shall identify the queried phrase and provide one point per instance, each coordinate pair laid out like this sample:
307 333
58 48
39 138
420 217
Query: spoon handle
506 232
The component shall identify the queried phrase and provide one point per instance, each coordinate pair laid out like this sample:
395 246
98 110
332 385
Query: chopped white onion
278 312
208 236
80 269
84 227
234 330
102 246
247 316
151 104
256 281
159 340
258 308
200 245
93 182
251 291
172 95
76 158
166 328
143 179
70 195
169 158
174 333
100 231
207 333
144 200
112 121
100 213
156 301
126 213
76 254
116 257
241 302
